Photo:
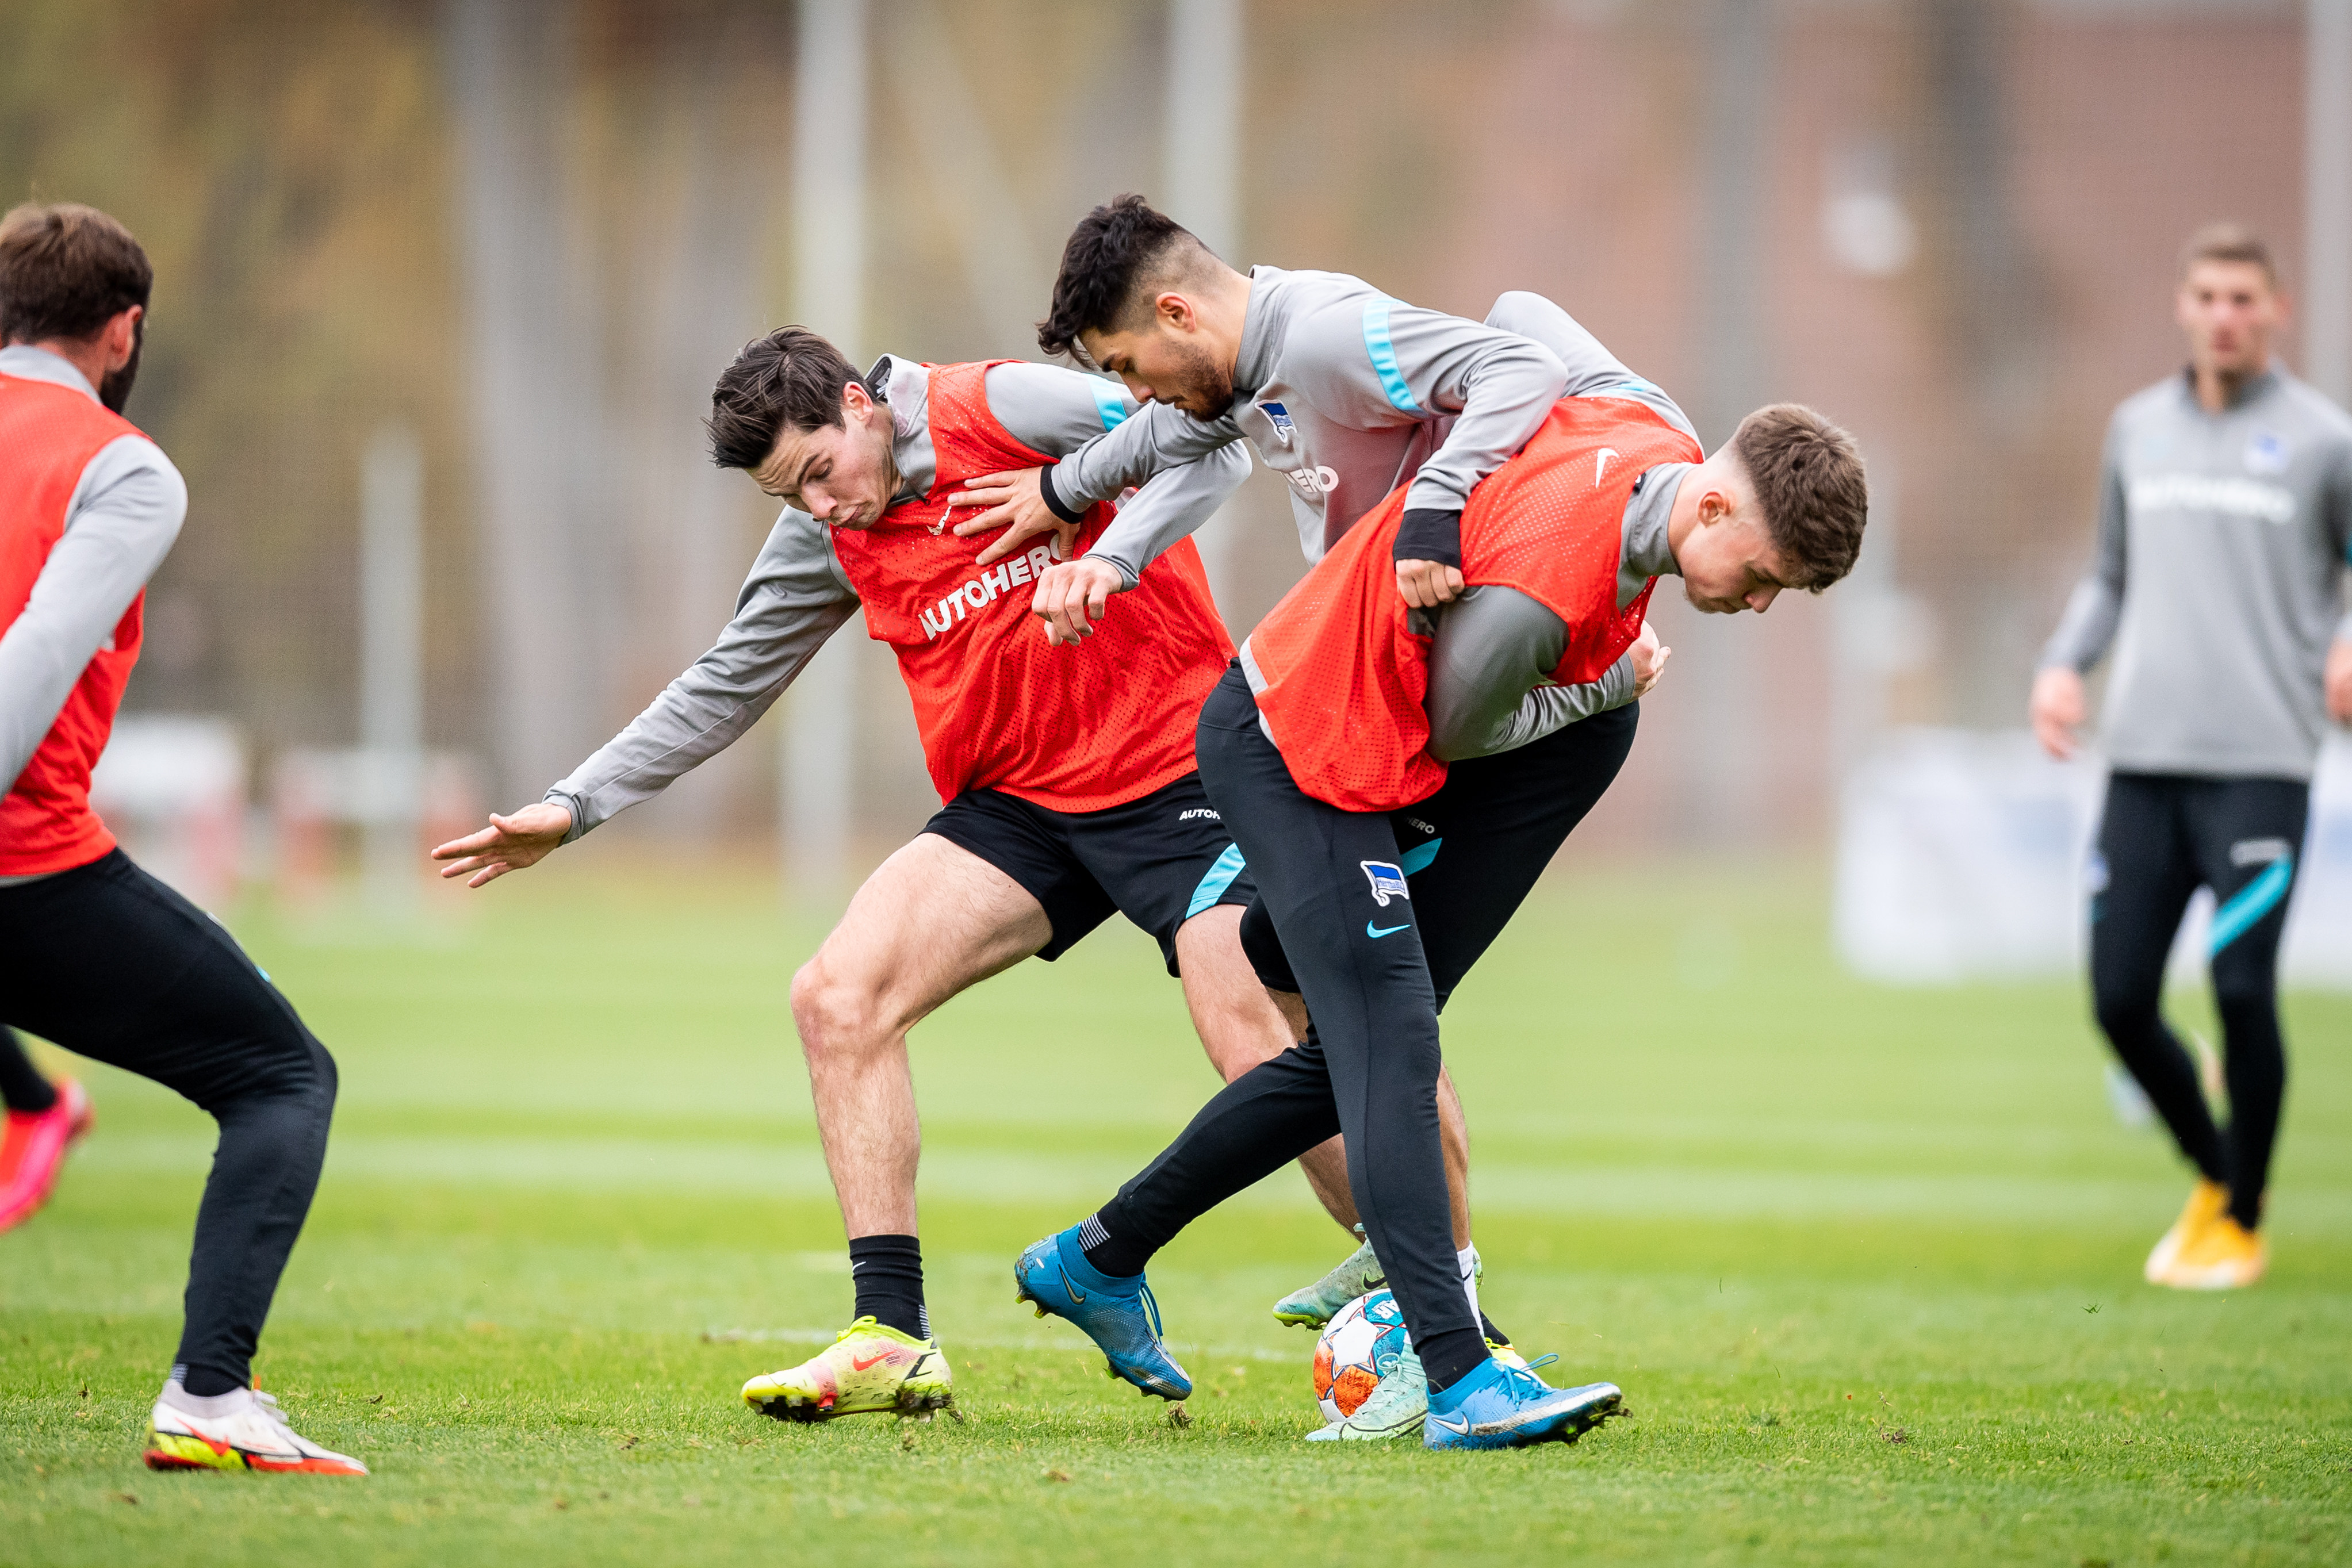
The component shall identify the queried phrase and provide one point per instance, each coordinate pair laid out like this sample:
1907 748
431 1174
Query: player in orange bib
1068 787
1320 734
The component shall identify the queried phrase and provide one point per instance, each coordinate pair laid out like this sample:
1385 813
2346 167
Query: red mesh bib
1346 675
1074 728
48 433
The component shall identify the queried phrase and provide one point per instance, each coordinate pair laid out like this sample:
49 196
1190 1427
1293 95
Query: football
1359 1347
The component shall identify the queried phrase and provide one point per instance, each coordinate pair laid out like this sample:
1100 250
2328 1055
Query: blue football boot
1119 1315
1504 1407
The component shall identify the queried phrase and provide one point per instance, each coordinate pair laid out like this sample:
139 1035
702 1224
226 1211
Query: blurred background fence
442 290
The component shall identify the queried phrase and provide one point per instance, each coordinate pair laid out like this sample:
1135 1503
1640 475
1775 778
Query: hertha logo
1388 881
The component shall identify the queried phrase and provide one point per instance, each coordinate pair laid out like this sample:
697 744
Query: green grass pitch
1866 1262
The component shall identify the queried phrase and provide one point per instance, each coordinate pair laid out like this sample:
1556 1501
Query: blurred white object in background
172 788
314 794
1961 857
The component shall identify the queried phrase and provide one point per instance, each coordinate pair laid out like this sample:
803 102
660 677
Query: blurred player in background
95 954
2225 510
1347 394
1068 786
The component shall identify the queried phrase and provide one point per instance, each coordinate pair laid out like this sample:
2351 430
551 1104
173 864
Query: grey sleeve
1155 437
1379 361
1172 505
1493 648
1061 411
794 599
120 521
2096 605
1593 370
2340 518
1054 410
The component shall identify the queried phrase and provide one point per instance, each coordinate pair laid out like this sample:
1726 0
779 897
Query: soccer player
1320 734
44 1118
1348 394
2225 511
95 954
1069 787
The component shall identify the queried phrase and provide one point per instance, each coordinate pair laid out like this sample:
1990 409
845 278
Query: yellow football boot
870 1367
2207 1201
2223 1255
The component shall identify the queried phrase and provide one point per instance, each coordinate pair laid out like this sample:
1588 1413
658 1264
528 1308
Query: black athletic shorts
1159 860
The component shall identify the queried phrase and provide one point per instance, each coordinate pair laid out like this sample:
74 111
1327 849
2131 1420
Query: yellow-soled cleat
2222 1256
240 1430
2207 1203
869 1368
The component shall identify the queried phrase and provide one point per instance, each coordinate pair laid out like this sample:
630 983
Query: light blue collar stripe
1221 877
1383 353
2250 902
1109 402
1416 859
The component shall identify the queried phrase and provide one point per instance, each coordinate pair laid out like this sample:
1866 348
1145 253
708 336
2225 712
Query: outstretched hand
1650 657
509 844
1014 501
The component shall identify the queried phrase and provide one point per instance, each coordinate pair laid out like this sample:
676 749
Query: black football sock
22 1087
1451 1356
1116 1255
887 1271
1494 1335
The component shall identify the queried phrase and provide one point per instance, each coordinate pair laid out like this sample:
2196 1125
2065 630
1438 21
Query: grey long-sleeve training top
797 595
125 512
2218 579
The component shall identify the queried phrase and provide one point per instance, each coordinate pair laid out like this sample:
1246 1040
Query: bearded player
1069 788
1347 394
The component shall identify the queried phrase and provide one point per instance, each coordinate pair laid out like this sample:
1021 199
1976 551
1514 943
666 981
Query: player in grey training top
2225 514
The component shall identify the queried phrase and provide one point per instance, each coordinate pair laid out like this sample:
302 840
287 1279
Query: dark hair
2228 242
1115 249
1809 481
65 270
791 377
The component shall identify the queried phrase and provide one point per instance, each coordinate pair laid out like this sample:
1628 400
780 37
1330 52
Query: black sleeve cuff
1054 502
1428 534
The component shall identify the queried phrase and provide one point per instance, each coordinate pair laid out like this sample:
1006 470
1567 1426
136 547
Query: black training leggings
1358 958
22 1087
2161 837
109 963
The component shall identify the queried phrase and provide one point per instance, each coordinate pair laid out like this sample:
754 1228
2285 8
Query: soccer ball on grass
1358 1347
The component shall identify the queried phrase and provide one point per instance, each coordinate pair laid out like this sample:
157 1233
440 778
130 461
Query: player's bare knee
834 1018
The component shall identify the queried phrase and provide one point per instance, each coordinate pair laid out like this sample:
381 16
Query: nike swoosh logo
1376 932
879 1355
1071 1285
1601 463
1459 1428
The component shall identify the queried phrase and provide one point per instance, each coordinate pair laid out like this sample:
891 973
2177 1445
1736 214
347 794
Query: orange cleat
244 1430
2223 1255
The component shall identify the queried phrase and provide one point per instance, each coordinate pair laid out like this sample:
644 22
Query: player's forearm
793 602
121 523
1172 506
1544 710
1507 396
1156 439
2086 629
